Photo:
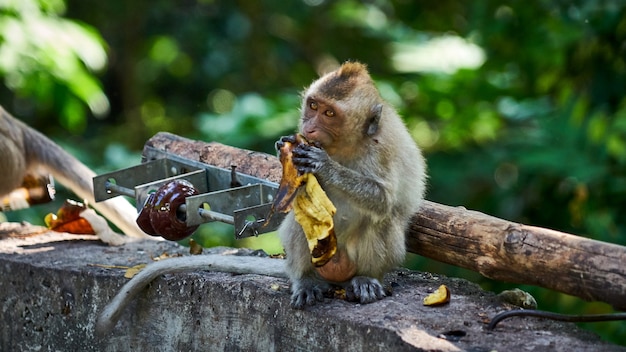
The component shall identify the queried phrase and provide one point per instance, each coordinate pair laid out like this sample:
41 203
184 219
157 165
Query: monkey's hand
292 139
364 289
308 158
306 292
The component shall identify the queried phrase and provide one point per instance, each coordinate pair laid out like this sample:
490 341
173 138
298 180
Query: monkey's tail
78 177
211 262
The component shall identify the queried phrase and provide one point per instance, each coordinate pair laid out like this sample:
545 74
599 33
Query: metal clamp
245 206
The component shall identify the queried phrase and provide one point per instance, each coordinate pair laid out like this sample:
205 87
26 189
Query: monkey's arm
366 191
26 150
212 262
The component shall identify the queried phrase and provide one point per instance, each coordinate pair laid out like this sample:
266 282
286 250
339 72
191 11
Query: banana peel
290 181
313 210
439 297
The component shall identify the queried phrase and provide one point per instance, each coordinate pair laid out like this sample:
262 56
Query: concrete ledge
52 290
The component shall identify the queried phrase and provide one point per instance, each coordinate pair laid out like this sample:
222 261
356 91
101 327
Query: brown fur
342 82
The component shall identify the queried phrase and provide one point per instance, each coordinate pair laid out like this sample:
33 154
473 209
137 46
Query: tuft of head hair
352 68
341 83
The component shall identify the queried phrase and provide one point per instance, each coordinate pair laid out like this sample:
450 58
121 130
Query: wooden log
512 252
496 248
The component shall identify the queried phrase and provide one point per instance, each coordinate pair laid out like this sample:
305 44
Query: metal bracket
245 206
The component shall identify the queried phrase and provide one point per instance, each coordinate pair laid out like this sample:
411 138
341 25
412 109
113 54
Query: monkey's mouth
311 139
309 135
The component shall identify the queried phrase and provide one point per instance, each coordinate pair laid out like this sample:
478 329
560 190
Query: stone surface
54 285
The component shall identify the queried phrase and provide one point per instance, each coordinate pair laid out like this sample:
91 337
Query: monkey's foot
15 200
364 290
306 292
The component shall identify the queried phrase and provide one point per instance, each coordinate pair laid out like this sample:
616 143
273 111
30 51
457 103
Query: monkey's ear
374 118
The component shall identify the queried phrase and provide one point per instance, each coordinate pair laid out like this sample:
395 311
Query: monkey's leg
306 287
366 287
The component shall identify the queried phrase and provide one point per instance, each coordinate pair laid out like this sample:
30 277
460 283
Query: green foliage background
534 134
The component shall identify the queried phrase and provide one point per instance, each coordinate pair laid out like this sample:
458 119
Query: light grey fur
376 191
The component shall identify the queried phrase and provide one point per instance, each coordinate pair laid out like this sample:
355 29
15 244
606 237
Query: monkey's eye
329 113
313 105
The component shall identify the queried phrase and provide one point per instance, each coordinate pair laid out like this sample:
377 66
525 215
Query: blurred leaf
39 48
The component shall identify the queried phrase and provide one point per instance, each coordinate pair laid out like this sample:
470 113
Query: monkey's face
321 122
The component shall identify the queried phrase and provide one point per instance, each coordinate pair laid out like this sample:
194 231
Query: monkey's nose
309 134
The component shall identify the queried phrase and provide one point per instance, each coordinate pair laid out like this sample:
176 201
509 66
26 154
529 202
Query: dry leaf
68 219
165 255
339 293
132 271
195 248
77 218
107 266
439 297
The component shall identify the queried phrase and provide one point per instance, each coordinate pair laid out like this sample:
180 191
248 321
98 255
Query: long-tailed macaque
27 152
372 171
